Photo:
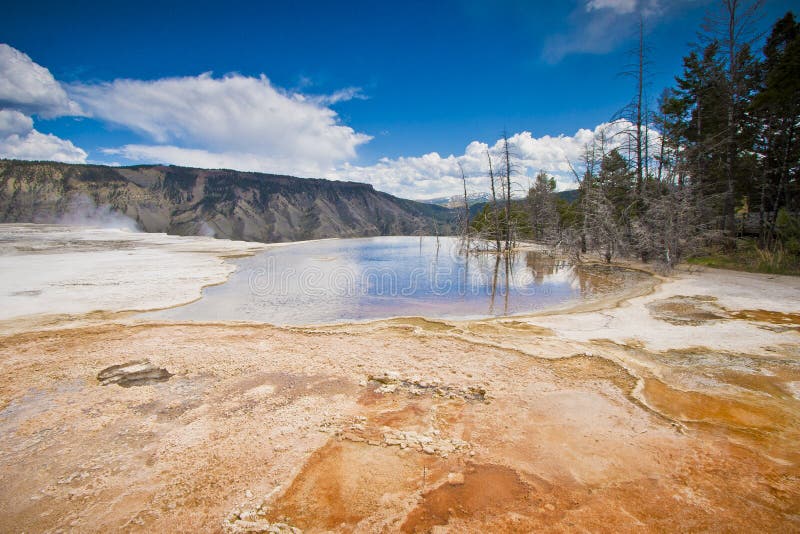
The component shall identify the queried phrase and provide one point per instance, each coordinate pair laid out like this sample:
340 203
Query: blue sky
383 92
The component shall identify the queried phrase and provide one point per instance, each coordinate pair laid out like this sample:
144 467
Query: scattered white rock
237 526
390 382
421 442
252 521
455 479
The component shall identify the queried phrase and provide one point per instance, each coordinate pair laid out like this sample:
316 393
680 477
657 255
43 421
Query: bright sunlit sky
389 93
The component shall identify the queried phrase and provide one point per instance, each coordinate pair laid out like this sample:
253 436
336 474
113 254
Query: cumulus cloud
232 118
247 123
432 175
27 89
14 122
30 88
18 140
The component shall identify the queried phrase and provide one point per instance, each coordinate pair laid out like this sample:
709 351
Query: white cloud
619 6
600 26
342 95
18 140
225 119
248 124
432 175
14 122
28 87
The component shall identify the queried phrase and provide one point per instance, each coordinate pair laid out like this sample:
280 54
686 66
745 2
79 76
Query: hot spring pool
346 280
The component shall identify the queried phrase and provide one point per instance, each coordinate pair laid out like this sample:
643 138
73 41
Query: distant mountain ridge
457 201
227 204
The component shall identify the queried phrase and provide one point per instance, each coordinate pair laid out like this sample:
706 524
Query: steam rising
83 211
206 230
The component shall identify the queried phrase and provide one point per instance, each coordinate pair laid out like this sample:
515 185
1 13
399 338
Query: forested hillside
709 169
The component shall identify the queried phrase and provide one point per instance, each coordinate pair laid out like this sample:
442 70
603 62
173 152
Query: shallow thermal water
344 280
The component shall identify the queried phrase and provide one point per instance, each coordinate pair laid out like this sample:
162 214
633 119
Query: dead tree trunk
507 155
494 204
639 115
466 204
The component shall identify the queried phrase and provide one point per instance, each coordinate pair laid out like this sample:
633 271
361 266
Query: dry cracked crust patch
687 310
683 310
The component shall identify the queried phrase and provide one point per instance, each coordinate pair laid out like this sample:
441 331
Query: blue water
344 280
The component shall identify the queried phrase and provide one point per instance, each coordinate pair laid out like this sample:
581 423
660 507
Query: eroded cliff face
226 204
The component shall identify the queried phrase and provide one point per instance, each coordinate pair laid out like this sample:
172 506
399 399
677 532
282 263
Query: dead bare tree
495 218
466 205
604 231
508 169
675 226
593 154
636 111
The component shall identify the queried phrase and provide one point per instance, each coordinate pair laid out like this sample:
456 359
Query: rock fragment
455 479
134 373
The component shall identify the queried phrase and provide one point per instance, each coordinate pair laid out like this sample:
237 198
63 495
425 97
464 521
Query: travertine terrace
675 407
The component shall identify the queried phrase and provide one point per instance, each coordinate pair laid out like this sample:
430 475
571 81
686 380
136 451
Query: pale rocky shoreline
675 407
